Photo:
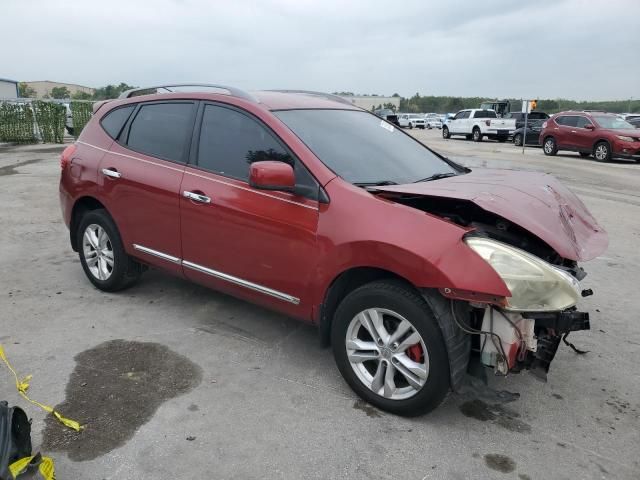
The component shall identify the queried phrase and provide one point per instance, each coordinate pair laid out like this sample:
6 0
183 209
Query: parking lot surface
175 381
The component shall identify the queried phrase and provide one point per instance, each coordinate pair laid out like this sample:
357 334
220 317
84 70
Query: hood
537 202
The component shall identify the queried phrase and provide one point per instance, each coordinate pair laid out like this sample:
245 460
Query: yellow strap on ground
46 467
23 385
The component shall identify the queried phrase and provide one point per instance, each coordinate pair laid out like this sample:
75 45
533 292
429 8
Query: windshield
613 123
363 149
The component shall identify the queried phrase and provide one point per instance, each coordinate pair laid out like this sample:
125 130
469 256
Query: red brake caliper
414 352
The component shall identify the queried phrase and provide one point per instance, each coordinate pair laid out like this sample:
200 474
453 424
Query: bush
50 118
81 113
16 123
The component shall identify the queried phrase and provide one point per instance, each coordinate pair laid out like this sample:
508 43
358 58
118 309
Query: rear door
255 244
141 174
564 134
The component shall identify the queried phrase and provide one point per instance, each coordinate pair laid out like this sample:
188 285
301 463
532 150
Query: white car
476 123
432 121
411 120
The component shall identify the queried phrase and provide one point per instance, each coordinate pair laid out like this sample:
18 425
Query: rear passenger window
161 129
114 120
231 141
568 121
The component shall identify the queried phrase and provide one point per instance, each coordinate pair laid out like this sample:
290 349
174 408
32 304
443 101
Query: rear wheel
102 254
550 147
445 132
477 135
389 348
602 152
517 140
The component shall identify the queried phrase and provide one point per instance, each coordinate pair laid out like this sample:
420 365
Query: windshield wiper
436 176
380 183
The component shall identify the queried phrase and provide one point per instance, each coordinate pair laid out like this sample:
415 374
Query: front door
255 244
142 173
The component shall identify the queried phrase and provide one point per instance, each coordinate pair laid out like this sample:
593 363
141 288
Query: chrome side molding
220 275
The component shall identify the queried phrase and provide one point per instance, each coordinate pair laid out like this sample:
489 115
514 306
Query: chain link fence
27 120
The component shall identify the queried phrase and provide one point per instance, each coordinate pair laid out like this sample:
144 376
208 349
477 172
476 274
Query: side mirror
589 126
272 175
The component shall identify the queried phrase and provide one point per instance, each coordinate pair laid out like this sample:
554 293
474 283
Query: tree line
425 104
103 93
415 104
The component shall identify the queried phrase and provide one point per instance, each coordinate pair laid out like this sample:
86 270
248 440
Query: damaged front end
532 231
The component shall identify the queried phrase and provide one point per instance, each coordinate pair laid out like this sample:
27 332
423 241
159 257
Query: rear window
485 114
161 129
114 120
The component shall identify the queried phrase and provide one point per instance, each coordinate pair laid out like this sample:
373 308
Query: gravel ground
223 389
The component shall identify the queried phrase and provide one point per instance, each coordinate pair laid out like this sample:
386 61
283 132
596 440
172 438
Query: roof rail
328 96
233 91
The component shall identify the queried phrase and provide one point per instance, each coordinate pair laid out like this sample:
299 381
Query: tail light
67 153
487 123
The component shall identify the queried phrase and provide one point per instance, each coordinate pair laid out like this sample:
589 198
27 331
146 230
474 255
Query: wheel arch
600 140
344 283
81 206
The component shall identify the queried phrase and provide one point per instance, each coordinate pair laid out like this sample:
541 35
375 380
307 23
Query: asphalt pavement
175 381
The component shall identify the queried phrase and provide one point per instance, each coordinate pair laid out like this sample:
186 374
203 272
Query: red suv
603 135
412 266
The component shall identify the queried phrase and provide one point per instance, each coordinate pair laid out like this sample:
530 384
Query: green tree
25 91
60 92
81 96
110 91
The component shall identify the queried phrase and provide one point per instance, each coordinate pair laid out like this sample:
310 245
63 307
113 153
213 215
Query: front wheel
389 348
102 254
411 126
602 152
445 132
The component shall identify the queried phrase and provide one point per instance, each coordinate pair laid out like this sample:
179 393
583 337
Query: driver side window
231 141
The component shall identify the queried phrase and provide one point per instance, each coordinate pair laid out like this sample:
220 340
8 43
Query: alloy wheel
548 146
98 252
602 152
387 353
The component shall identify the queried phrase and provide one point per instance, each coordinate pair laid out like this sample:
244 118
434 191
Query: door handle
196 197
111 172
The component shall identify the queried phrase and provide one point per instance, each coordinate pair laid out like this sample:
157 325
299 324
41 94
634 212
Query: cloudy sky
579 49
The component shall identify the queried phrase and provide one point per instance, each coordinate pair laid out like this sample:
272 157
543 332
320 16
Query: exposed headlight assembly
624 138
535 285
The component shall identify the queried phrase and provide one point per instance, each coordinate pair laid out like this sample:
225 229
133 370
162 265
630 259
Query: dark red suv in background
412 266
603 135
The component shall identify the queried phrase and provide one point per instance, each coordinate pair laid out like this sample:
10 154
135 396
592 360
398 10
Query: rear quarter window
114 120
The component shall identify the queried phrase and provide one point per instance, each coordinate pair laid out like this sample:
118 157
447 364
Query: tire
468 137
411 126
585 154
445 133
602 152
549 146
395 303
69 130
429 126
517 140
476 134
97 227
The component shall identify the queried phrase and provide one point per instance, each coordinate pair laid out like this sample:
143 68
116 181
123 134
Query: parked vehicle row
254 194
411 120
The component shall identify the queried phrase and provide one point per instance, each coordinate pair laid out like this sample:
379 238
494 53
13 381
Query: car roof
588 113
268 99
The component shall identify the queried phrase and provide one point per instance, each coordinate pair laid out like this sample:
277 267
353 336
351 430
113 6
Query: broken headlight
535 285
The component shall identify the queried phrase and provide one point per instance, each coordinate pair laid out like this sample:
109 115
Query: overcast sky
579 49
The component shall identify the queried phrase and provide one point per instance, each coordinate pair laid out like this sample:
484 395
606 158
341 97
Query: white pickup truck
477 123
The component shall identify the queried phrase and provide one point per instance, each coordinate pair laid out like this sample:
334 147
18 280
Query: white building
369 101
8 88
